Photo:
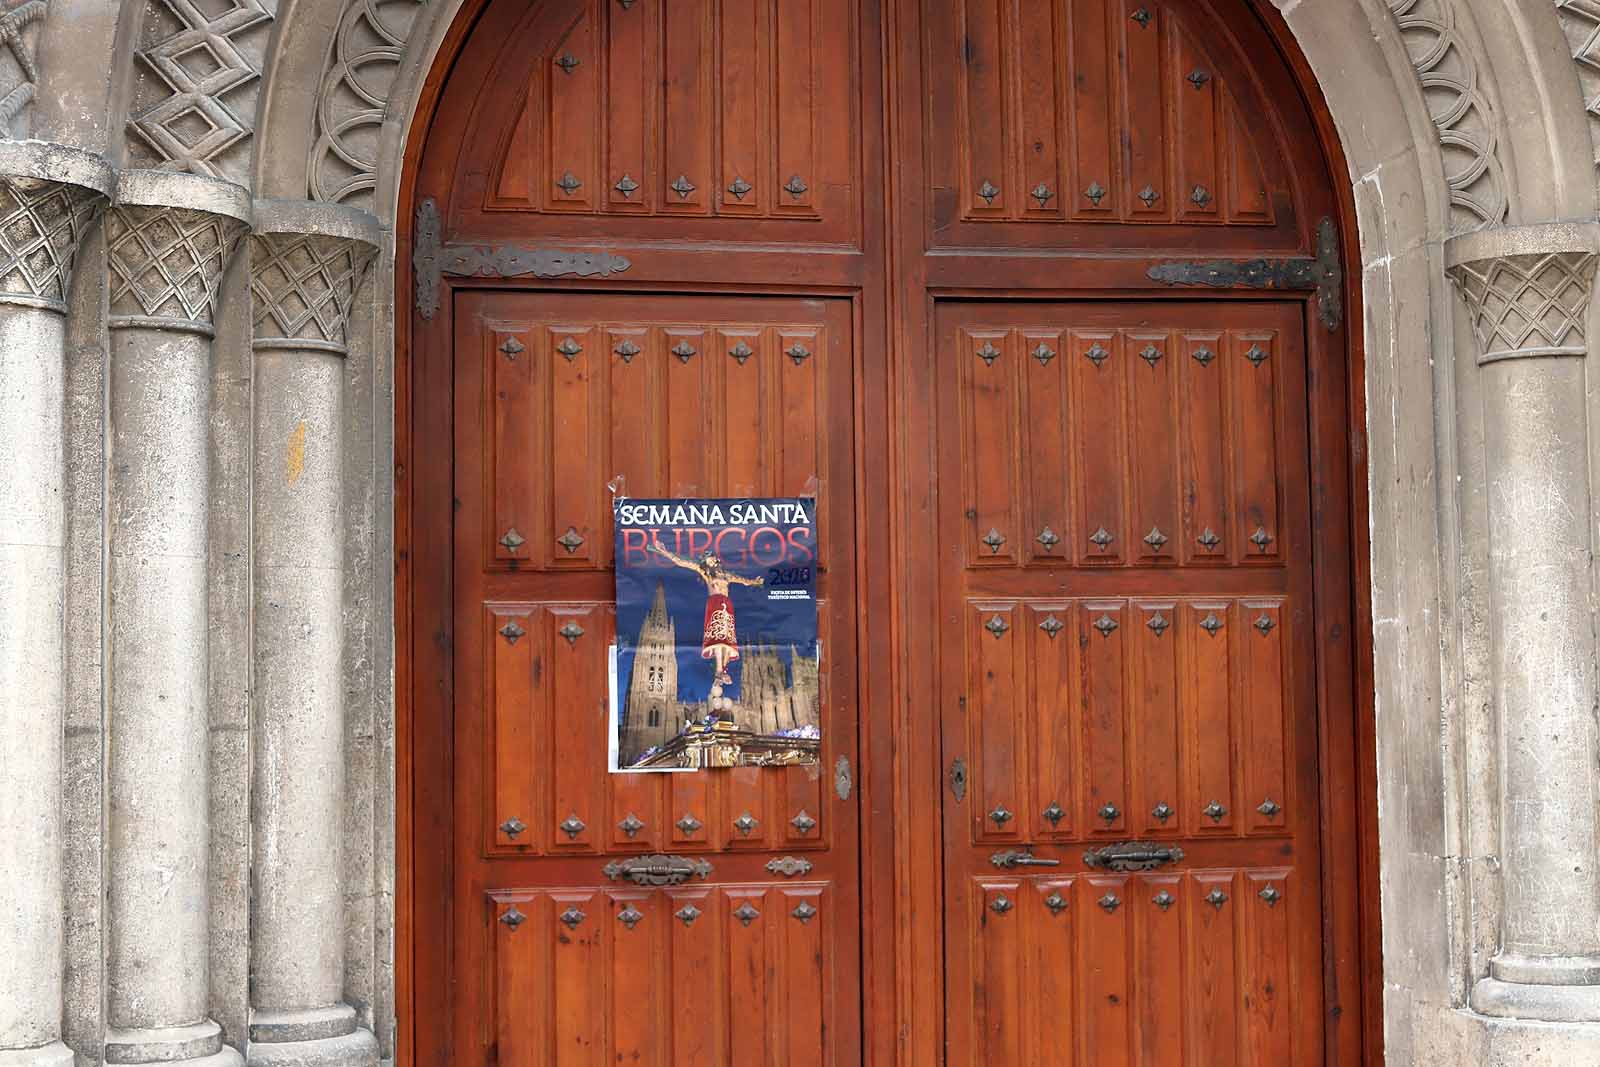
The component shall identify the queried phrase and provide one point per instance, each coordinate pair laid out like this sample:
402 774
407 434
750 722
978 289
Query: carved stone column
166 262
307 261
49 196
1528 291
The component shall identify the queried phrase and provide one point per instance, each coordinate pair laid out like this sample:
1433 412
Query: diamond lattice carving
304 285
1580 21
1531 304
18 76
41 223
167 262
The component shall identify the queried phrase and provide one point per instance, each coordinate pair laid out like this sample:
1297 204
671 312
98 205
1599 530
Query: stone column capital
307 260
1527 288
169 237
49 197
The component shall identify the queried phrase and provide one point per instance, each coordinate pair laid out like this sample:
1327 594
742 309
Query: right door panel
1128 685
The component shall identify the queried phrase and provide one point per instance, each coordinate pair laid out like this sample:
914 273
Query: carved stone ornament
304 284
43 220
166 263
1526 288
431 260
1321 273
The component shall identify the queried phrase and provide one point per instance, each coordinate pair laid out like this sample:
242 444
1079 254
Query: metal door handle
657 870
1133 856
1013 858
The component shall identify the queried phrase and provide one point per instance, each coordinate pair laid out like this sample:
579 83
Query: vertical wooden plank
691 811
523 1006
1268 991
800 359
1154 688
1154 445
746 823
1205 438
518 446
746 436
1037 67
1263 720
1055 719
688 388
1207 632
1192 85
805 810
1253 365
753 982
1050 1002
1211 973
1046 524
578 474
636 822
804 917
576 638
1147 192
635 416
746 186
688 65
580 922
797 176
698 954
639 936
998 923
1105 989
1102 642
1246 183
512 636
1157 911
631 105
520 168
987 118
995 696
572 71
988 424
1098 436
1093 117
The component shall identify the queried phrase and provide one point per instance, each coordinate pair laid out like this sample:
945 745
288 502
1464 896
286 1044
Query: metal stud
1097 353
995 540
988 353
803 822
627 350
1044 354
1271 895
1048 538
630 916
513 827
804 912
1053 815
569 183
1149 196
795 186
1162 812
631 825
740 188
1155 539
626 185
1052 626
988 192
1000 905
1096 193
568 62
1269 807
1214 811
513 917
1163 900
1198 79
1200 196
997 626
1101 539
1159 623
1264 625
569 348
797 352
1000 815
511 631
1110 902
572 826
741 352
1042 193
684 351
789 866
572 917
1204 356
513 540
746 913
1056 903
627 5
682 186
1142 16
1261 539
1211 624
1208 539
571 631
688 913
689 825
746 824
1151 355
1257 355
512 348
1106 625
1216 898
1110 813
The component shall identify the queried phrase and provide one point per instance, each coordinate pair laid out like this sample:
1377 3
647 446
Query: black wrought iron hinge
1320 273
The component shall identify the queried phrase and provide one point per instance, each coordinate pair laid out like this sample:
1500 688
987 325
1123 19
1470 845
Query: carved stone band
49 197
1527 288
307 261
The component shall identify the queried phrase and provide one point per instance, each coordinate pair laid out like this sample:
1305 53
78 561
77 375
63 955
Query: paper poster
717 661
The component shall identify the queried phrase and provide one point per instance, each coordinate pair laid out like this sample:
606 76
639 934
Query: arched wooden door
1043 303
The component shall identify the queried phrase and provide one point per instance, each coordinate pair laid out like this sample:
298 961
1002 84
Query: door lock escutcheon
1012 858
1133 856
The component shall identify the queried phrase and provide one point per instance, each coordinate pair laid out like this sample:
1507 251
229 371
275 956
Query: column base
199 1045
357 1049
1539 1002
55 1054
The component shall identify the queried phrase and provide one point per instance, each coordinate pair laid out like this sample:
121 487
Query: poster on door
717 662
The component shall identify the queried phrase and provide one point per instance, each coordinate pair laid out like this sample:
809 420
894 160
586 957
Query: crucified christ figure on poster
720 644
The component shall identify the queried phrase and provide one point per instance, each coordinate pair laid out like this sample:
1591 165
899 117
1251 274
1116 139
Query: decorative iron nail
1056 903
630 916
631 825
569 183
571 631
627 350
988 192
572 826
1211 624
513 540
1052 626
1096 193
1000 815
1149 196
1269 807
1199 78
1044 354
1264 625
1042 193
1097 353
741 352
1216 898
1208 539
688 913
1163 900
572 917
1109 813
1110 902
627 5
746 913
684 351
804 912
1101 539
1142 16
511 631
1204 356
1261 539
1271 895
1106 625
795 187
1159 623
988 353
746 823
1257 355
740 188
682 186
512 348
689 824
1151 355
568 62
997 626
513 917
1214 811
1053 814
626 185
803 822
512 827
1001 904
1162 812
789 866
797 352
1155 538
1048 538
995 540
569 348
1200 196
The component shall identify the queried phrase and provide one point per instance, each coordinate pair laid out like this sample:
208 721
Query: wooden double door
1083 536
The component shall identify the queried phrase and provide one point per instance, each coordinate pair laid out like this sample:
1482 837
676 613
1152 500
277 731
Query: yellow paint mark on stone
296 462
